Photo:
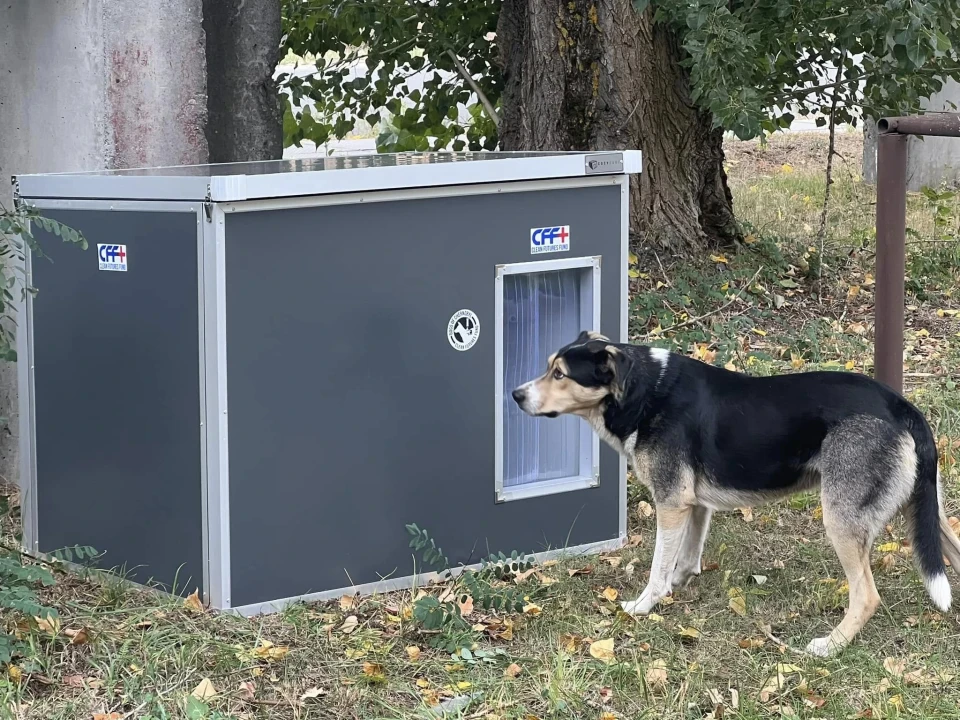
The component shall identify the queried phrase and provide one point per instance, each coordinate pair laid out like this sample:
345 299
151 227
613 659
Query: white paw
822 647
643 604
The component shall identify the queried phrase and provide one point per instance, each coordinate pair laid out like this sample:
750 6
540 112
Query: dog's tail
930 531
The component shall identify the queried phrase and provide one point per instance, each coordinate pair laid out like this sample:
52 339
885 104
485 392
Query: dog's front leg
671 526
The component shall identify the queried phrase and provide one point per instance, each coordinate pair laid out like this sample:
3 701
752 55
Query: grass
765 308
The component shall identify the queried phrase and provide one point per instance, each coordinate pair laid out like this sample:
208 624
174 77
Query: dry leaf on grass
610 594
751 643
268 651
521 576
193 602
612 560
465 605
107 716
348 602
573 572
894 666
747 514
75 681
48 624
738 603
645 509
656 674
413 652
247 689
602 650
513 670
371 669
349 625
205 690
688 633
77 637
313 693
532 609
607 715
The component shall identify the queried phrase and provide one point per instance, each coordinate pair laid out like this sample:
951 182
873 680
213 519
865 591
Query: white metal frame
239 187
213 344
590 294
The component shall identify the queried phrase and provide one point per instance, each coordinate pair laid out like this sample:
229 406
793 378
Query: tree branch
831 149
487 105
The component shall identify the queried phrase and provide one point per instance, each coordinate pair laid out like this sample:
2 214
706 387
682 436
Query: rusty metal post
891 237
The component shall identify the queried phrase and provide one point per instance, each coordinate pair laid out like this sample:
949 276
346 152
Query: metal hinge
208 205
16 193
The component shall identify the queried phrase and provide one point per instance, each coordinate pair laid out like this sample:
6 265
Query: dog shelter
258 373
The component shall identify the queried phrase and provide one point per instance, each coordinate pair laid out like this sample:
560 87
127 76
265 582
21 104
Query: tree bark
597 75
244 116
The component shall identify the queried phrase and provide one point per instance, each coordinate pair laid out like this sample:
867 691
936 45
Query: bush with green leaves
490 587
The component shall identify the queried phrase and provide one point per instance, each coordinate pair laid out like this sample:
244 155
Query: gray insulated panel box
258 374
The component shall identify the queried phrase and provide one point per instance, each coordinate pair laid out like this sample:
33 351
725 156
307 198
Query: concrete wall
930 161
92 84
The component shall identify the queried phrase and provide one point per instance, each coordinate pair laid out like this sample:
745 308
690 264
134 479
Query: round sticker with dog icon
463 330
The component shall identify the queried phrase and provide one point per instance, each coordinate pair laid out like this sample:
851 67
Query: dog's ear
586 336
613 365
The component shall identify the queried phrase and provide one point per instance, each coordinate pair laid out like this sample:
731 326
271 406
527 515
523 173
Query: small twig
667 279
484 100
773 638
699 318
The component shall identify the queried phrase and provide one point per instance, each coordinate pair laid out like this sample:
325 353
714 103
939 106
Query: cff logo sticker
112 257
549 239
463 330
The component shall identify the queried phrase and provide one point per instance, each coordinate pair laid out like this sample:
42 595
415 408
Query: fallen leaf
15 673
849 365
372 669
313 693
612 560
689 633
107 716
610 594
889 547
747 514
532 609
268 651
348 602
786 168
77 637
897 702
48 624
465 605
464 685
521 576
751 643
75 681
710 567
413 652
607 715
193 603
205 690
602 650
759 579
644 508
888 561
513 670
570 642
247 690
738 603
573 572
894 666
719 259
349 625
853 291
656 674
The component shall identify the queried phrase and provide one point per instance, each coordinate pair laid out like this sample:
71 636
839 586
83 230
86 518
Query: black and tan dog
702 438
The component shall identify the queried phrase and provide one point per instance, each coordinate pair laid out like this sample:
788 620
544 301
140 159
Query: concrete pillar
94 84
930 161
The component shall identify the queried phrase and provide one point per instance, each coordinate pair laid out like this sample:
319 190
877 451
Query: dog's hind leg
867 473
853 549
691 551
671 527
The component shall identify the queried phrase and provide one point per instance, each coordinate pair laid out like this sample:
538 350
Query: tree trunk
597 75
244 116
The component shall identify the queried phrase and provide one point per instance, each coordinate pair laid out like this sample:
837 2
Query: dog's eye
557 375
